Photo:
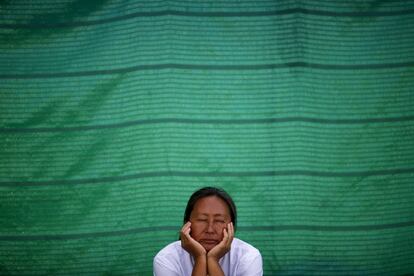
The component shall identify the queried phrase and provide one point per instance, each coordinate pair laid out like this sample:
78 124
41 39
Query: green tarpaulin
113 112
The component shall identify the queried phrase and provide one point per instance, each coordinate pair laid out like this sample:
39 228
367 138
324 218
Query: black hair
211 191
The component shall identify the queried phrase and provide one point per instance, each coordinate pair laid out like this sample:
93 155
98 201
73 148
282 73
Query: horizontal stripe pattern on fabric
214 122
208 67
37 25
251 229
209 174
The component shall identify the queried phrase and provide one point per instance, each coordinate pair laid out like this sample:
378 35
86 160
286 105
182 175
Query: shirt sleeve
162 267
251 266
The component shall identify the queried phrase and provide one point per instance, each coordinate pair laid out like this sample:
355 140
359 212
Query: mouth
209 241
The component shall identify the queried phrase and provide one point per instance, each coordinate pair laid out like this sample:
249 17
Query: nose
210 228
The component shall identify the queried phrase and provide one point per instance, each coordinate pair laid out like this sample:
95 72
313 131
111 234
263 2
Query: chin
208 247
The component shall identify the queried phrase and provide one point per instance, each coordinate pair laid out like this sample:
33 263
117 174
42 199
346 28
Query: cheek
219 228
196 229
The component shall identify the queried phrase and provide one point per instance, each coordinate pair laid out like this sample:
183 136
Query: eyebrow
216 215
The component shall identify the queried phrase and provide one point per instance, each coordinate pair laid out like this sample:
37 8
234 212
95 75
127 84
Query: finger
225 234
225 241
186 225
185 230
231 232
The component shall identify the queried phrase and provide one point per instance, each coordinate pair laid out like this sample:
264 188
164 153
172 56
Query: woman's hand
189 244
224 246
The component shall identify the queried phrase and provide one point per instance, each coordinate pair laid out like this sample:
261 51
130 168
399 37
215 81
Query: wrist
212 258
213 266
200 266
200 257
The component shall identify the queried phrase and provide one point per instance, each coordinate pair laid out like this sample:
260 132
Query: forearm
213 267
200 266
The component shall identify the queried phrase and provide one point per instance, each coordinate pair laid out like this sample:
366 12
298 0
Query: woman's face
208 218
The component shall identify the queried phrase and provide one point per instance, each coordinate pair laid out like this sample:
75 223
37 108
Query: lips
207 241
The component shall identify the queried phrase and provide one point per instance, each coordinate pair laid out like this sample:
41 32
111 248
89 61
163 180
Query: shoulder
173 249
172 260
244 249
169 255
246 258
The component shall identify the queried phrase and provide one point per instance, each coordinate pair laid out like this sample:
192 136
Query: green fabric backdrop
113 112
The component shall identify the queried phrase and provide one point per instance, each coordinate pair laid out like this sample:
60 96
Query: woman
207 244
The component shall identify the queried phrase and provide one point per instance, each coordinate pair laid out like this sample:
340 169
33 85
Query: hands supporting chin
189 244
206 261
224 246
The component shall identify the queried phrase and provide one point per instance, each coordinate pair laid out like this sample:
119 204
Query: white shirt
242 260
